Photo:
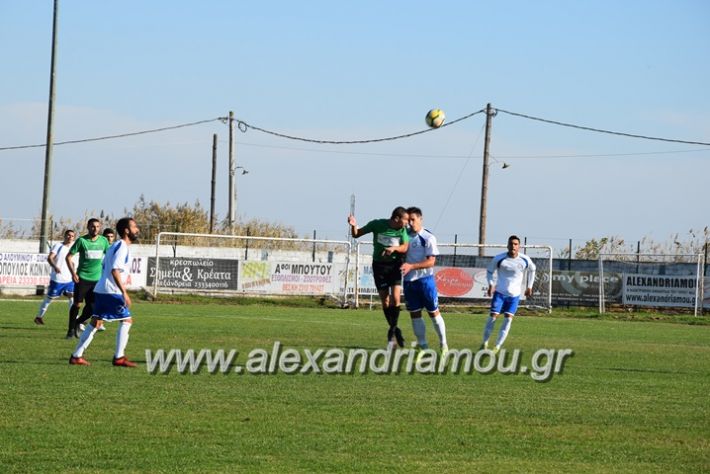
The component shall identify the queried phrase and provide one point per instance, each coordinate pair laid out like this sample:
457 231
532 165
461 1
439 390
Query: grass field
633 398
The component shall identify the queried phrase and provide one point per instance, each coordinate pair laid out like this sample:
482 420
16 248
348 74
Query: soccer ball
435 118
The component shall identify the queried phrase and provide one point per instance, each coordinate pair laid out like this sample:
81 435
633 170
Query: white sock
488 329
122 338
86 337
503 333
71 301
43 307
420 331
440 328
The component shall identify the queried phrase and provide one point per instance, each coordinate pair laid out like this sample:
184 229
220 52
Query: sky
346 71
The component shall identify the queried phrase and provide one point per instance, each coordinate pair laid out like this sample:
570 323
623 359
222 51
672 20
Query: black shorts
84 290
387 274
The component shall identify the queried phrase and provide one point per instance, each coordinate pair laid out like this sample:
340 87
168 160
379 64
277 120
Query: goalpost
460 273
242 264
651 281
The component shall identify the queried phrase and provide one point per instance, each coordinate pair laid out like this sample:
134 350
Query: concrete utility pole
214 181
484 180
44 223
232 180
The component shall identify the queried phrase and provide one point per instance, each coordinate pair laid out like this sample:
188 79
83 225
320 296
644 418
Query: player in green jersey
91 249
390 242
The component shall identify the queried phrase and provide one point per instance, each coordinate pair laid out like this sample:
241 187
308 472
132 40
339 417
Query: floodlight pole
44 219
484 180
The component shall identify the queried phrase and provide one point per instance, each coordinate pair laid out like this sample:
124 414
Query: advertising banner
458 282
194 273
659 291
288 278
582 288
23 270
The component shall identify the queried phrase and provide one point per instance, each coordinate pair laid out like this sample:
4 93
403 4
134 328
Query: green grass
632 399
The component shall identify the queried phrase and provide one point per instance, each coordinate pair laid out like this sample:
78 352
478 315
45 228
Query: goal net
651 281
238 264
460 274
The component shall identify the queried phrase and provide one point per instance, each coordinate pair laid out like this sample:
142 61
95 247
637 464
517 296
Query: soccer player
112 302
60 278
91 249
390 242
109 234
419 285
510 267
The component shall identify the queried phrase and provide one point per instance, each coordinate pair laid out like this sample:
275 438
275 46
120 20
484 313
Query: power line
243 126
599 130
109 137
419 155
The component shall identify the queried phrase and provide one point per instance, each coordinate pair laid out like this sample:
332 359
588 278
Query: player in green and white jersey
390 242
91 249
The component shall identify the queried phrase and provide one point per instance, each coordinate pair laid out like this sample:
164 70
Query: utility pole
214 181
484 180
232 180
50 138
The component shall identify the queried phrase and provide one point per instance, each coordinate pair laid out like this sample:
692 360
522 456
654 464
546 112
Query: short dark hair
108 230
122 225
514 237
66 232
414 210
398 211
93 219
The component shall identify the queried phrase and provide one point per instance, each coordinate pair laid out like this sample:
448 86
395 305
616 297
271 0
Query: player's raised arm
354 231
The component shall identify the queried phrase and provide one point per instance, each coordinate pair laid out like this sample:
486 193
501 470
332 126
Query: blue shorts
420 294
109 307
504 304
55 289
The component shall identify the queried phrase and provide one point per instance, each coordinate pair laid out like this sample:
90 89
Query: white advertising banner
288 278
659 290
23 270
27 270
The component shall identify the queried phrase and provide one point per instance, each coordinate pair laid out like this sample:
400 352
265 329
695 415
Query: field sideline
633 398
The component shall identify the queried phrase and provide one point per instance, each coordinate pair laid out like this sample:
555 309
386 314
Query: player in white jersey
419 285
510 268
60 278
111 301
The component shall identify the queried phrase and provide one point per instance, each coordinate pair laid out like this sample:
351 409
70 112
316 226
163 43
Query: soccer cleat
78 361
484 346
81 327
39 321
102 328
496 349
390 334
399 337
123 362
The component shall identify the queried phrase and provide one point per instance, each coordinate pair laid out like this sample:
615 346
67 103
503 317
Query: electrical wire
109 137
599 130
243 126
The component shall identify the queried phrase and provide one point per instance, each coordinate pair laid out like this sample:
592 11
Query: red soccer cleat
123 362
78 361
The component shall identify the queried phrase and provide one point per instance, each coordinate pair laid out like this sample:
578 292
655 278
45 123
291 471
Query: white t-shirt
421 246
60 255
117 258
510 273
